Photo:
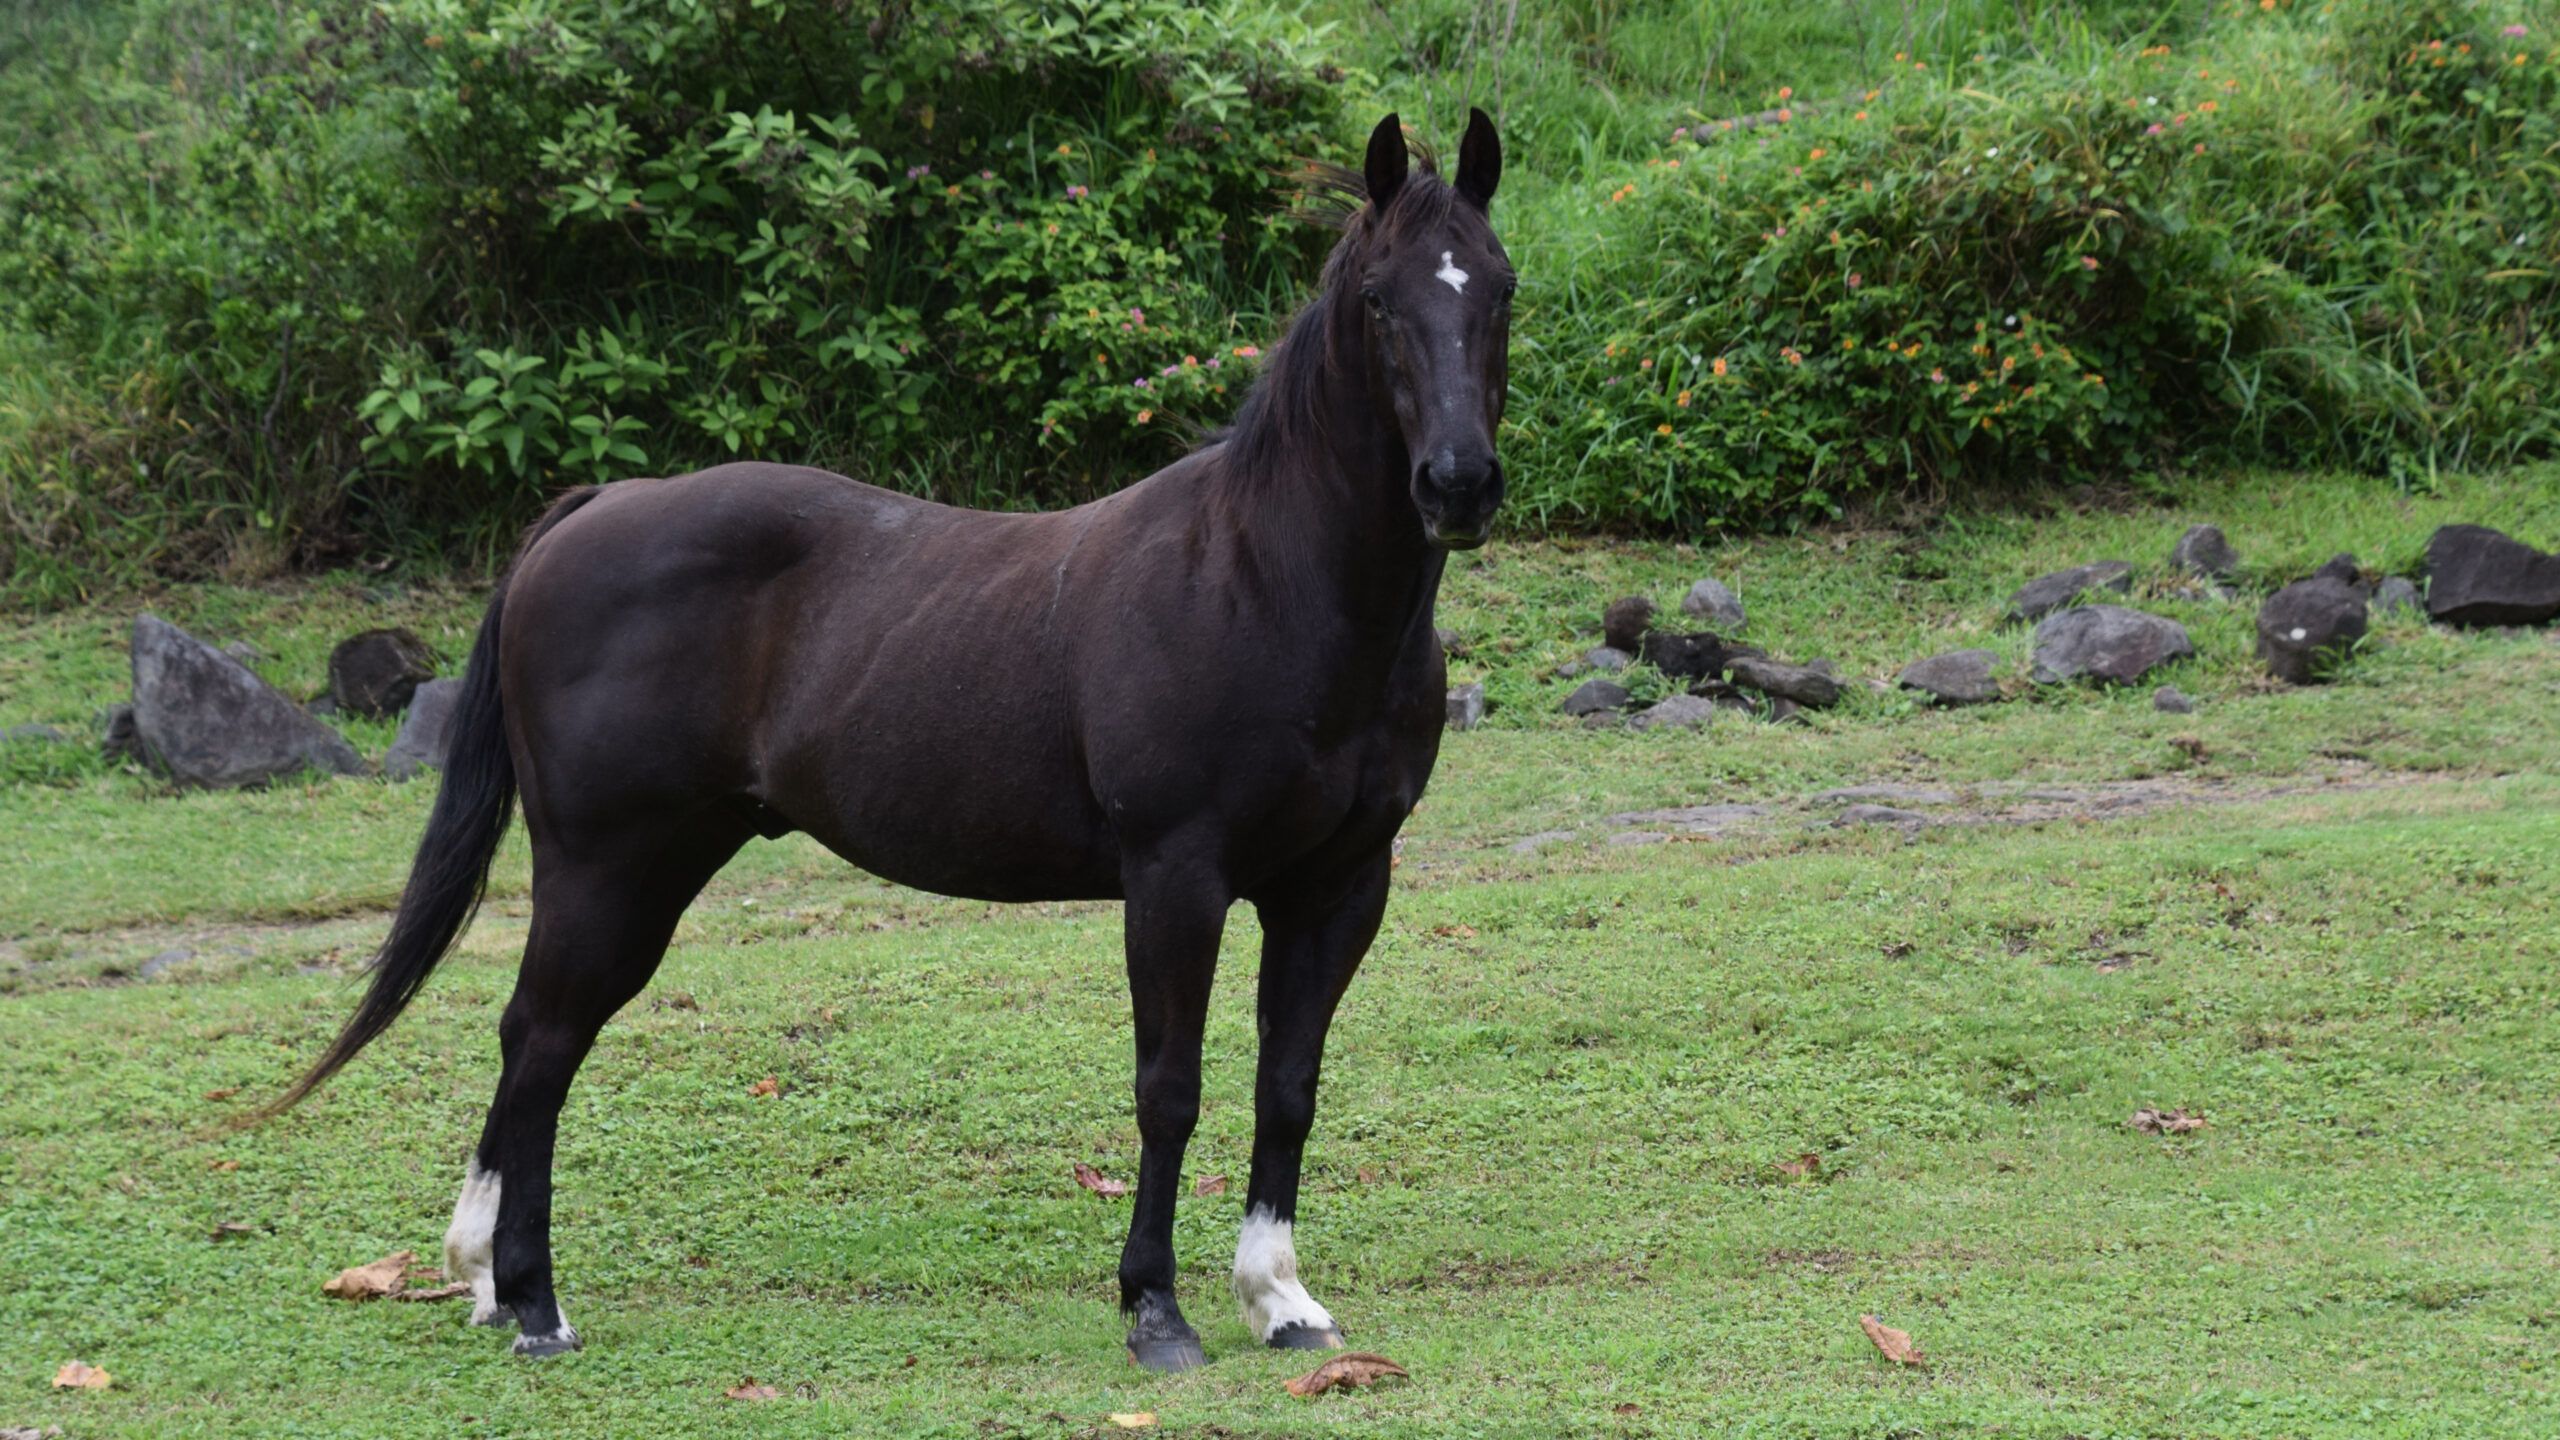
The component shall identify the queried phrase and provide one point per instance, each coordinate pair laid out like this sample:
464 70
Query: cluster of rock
201 717
1717 674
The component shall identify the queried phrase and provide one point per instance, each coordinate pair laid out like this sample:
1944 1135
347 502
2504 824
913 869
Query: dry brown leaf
370 1282
1365 1175
1210 1185
768 1086
225 1093
1349 1370
1454 932
225 1166
750 1390
1099 1183
1134 1419
81 1375
234 1230
2165 1122
1896 1345
1629 1408
454 1291
1802 1167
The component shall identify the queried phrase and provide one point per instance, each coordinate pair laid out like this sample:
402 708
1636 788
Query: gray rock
204 720
2047 593
34 735
1596 697
1959 677
1466 708
1870 794
1451 643
1710 601
2308 628
1603 720
1623 624
1679 712
2108 643
426 731
374 673
1608 658
162 961
2204 552
1880 815
1783 711
1801 683
2396 595
244 652
2342 567
2170 700
1700 655
2478 576
117 739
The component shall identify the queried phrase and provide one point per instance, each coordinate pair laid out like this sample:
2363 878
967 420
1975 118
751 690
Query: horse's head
1436 291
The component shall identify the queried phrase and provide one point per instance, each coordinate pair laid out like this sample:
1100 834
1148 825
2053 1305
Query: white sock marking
470 1242
1450 274
1266 1279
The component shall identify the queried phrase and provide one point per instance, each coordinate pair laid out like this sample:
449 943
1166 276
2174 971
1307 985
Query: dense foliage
373 276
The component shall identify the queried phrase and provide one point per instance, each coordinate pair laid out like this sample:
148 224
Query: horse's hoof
495 1316
1167 1354
1305 1337
558 1342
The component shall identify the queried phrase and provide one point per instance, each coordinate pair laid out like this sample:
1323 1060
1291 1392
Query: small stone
1801 683
1451 643
1466 706
2204 552
1603 720
426 730
34 735
1623 624
2307 629
1686 657
1595 697
118 739
373 673
1880 815
1959 677
2343 568
1783 711
1606 658
2397 595
2107 643
2478 576
2170 700
1710 601
1679 712
2047 593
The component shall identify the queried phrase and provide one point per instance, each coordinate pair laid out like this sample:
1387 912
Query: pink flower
1856 280
1077 192
1143 383
1137 314
1937 377
2155 129
2513 32
2088 262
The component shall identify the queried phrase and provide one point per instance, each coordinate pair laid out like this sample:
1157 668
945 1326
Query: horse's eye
1376 302
1509 289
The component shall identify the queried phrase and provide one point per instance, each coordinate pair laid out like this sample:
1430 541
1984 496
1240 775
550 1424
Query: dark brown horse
1221 683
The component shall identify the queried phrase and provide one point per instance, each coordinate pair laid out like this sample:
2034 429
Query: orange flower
1719 365
1662 429
1683 401
1644 364
1786 92
1145 415
1818 153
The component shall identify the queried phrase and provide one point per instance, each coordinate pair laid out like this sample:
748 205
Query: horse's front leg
1312 940
1175 915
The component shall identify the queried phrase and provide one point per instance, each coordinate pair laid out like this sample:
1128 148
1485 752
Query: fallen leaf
1210 1185
1454 932
2165 1122
81 1375
1803 1166
370 1282
225 1093
1349 1370
1896 1345
1365 1175
454 1291
1896 949
1099 1183
1134 1419
750 1390
233 1230
764 1087
1629 1408
225 1166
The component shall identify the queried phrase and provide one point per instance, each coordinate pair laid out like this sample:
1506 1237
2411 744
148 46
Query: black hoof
1167 1354
541 1347
1305 1337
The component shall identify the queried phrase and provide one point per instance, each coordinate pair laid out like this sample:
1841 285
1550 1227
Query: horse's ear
1384 169
1479 160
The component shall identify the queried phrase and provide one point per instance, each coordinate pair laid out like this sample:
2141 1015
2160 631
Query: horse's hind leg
602 916
1313 938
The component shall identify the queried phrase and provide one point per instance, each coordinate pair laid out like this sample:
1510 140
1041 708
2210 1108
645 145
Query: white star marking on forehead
1449 272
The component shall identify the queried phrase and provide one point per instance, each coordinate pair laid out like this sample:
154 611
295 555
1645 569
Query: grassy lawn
1546 1172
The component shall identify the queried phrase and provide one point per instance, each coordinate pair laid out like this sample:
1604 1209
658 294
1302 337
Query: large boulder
2107 643
2204 553
2047 593
1959 677
374 673
426 731
1804 684
1623 624
205 720
2477 576
1710 601
2307 628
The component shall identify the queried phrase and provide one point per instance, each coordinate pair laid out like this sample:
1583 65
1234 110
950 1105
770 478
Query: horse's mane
1282 415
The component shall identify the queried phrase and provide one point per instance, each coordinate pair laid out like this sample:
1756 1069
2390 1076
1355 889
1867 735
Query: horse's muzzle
1457 500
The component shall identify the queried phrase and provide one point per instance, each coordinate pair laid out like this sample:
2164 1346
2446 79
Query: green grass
1545 1173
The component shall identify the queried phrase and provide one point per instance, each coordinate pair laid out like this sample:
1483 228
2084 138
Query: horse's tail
446 880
